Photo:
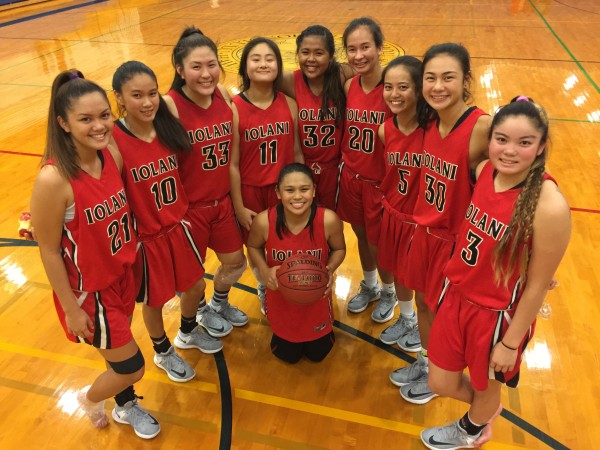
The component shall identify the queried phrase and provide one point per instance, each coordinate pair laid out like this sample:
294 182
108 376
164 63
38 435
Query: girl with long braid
511 241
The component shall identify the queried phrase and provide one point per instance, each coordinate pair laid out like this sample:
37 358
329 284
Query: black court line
49 13
226 402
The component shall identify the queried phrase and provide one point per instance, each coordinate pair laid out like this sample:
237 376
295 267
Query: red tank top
403 154
445 185
320 139
266 140
205 172
483 225
291 321
362 150
99 243
152 183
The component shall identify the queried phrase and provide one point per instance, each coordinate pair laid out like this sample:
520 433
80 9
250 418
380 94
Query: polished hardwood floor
244 397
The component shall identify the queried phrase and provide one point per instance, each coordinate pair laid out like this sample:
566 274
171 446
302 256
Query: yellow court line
348 416
99 365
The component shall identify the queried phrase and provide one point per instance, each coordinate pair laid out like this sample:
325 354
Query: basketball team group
456 219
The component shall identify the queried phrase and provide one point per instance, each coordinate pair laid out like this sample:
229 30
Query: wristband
510 348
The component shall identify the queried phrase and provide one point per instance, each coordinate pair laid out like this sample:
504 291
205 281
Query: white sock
407 309
370 278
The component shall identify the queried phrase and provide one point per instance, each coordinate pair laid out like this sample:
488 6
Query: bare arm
259 232
287 85
171 105
479 143
381 134
243 214
551 234
334 232
50 198
298 155
225 93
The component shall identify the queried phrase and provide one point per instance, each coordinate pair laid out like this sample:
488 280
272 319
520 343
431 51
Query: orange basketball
302 279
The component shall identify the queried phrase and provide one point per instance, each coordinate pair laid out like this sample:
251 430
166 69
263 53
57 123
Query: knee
232 271
420 301
197 289
131 369
441 386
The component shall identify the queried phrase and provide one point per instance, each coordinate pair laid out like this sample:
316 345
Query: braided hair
507 252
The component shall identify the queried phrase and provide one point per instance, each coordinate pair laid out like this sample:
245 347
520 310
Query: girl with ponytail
511 241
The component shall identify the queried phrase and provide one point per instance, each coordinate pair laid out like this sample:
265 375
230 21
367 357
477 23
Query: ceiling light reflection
342 287
67 402
538 356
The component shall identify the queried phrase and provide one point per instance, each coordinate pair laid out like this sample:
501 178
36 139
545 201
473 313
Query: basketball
302 279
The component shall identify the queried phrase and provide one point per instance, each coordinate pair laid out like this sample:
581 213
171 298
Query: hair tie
522 98
73 76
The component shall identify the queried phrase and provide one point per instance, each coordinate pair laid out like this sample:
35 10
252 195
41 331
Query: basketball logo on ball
302 279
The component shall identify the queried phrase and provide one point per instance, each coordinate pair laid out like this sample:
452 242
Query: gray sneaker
449 437
366 295
411 341
418 392
262 292
177 369
399 328
231 314
198 339
409 374
144 425
213 323
384 311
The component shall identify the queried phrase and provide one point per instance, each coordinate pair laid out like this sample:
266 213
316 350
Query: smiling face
444 82
296 192
88 122
262 64
140 98
313 57
201 71
363 55
399 90
514 145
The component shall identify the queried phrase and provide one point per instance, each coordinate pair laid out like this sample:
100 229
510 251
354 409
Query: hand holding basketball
303 279
270 277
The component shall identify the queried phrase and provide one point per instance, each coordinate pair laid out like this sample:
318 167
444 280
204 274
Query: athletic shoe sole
171 377
412 349
185 346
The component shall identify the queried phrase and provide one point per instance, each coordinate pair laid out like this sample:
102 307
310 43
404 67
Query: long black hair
333 91
280 226
169 130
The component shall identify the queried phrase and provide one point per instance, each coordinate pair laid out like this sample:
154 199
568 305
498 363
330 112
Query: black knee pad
130 365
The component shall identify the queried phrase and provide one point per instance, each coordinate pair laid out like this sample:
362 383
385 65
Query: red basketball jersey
445 186
362 150
291 321
403 154
205 172
99 243
266 140
152 183
320 139
484 224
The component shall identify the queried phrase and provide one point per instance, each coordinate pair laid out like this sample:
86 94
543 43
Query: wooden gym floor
244 397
